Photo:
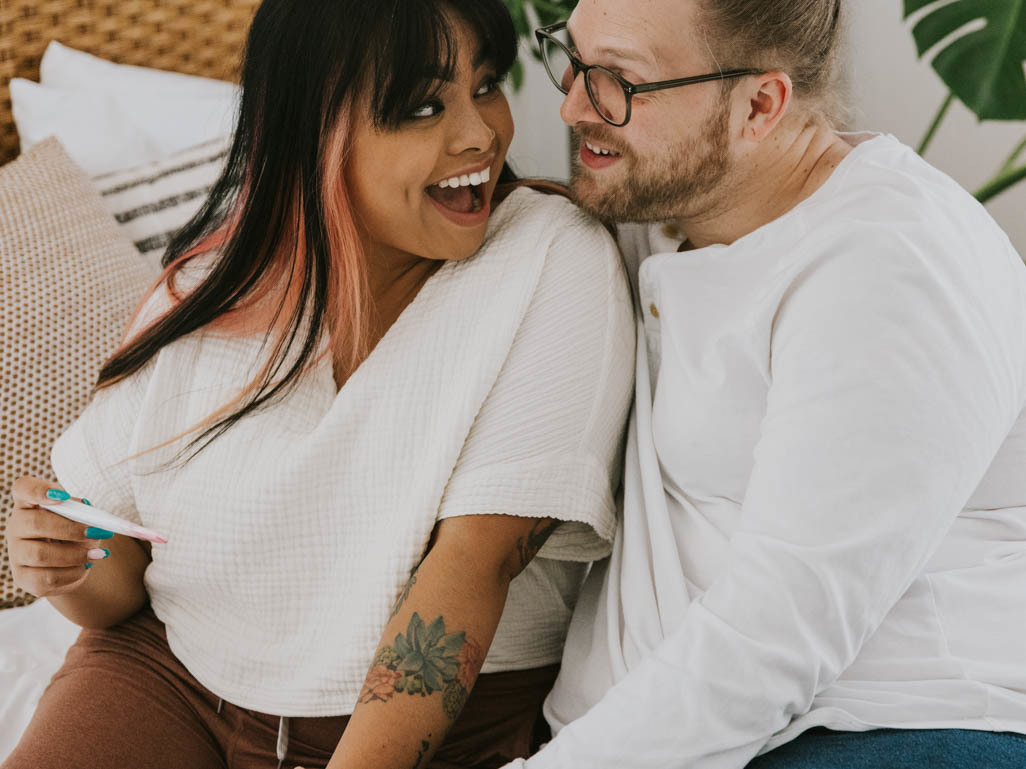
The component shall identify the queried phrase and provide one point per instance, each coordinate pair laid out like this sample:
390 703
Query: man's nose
577 107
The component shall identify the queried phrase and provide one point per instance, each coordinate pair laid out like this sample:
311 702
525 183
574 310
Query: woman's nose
472 132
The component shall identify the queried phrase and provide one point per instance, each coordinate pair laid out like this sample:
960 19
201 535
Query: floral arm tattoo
406 593
539 534
422 662
435 640
425 746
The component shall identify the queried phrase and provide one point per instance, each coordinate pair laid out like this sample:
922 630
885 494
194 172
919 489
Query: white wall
893 92
896 93
541 145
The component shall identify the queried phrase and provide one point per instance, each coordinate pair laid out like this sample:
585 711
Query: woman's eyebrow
485 56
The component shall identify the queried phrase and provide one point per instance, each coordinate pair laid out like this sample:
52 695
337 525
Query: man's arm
893 389
435 643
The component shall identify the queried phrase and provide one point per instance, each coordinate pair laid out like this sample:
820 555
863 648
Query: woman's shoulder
566 236
544 210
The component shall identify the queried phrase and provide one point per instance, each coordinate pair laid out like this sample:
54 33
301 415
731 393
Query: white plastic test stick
94 516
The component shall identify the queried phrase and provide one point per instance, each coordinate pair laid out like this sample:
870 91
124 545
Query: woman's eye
430 109
489 86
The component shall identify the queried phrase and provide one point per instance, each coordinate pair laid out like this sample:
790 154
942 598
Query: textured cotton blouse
825 494
503 388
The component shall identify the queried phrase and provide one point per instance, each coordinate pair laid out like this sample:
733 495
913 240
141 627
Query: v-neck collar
401 328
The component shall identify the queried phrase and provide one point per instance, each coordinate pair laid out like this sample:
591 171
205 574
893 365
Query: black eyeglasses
610 93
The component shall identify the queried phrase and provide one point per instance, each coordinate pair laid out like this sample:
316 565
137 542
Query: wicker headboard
198 37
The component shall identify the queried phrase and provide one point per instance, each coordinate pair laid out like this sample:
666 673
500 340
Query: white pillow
64 67
154 201
105 131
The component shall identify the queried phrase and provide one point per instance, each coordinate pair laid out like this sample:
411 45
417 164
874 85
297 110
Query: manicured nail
98 553
89 566
58 495
94 533
86 502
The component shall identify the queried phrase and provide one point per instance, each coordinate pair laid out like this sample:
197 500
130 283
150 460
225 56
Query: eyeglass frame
629 89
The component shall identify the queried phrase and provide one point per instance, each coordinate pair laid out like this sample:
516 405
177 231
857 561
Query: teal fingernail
89 566
86 502
94 533
58 495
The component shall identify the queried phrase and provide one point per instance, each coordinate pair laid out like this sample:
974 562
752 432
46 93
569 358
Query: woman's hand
50 555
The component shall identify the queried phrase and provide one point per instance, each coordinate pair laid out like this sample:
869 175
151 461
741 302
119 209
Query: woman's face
425 188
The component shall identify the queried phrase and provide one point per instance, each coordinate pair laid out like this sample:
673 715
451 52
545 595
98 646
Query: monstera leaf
983 68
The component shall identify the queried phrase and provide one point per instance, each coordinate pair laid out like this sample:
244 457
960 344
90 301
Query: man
822 560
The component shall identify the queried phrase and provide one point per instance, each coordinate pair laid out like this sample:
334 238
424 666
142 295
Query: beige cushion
69 281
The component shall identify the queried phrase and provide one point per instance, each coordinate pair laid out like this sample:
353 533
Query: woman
369 390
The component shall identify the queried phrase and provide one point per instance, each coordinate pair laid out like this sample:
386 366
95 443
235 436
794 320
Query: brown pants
122 700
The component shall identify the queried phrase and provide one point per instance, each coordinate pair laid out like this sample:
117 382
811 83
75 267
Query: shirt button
671 231
654 310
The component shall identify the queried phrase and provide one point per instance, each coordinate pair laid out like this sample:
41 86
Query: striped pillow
152 202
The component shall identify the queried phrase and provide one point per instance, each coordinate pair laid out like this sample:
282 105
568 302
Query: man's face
674 156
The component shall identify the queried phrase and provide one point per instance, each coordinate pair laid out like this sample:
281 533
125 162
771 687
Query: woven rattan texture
198 37
69 280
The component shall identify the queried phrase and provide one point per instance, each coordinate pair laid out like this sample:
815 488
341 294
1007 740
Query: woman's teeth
599 150
467 180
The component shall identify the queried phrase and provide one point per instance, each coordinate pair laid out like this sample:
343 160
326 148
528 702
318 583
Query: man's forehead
645 30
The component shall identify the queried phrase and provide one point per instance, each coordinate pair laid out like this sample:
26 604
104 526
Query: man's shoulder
884 181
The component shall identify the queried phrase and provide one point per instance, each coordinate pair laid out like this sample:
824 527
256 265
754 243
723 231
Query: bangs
416 47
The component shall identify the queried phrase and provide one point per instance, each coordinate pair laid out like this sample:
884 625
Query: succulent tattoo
424 661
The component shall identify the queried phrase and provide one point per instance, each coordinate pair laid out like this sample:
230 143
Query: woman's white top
825 494
503 388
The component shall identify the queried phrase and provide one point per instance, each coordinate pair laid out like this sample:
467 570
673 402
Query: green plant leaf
984 69
520 20
552 11
516 73
547 12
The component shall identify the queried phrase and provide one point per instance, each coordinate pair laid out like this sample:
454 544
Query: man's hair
800 37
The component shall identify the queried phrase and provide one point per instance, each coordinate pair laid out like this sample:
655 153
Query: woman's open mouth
461 199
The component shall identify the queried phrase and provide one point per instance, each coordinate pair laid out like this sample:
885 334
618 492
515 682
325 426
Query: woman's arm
433 647
49 557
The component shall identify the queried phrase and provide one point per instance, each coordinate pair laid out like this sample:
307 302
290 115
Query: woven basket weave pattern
197 37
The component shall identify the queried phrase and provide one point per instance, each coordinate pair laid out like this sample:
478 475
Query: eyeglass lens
606 93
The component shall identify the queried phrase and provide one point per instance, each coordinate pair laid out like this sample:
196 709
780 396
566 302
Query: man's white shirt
824 518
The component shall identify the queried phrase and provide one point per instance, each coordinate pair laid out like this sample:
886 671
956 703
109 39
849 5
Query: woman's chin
460 248
452 242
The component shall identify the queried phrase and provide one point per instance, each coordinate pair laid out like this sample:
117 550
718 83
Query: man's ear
769 97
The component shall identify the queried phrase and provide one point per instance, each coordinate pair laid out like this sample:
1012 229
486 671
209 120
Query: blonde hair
803 38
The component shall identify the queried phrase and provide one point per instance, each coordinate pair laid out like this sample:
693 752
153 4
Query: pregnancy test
94 516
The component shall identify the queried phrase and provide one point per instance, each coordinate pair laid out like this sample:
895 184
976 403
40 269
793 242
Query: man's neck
783 171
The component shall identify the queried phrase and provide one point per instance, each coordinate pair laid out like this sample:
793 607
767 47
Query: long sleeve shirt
825 493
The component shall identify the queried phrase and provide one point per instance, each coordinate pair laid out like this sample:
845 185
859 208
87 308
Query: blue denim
898 749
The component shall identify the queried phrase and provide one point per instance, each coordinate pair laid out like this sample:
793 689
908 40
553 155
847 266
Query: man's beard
677 183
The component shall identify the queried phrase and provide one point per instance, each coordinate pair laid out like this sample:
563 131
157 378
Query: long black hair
279 215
